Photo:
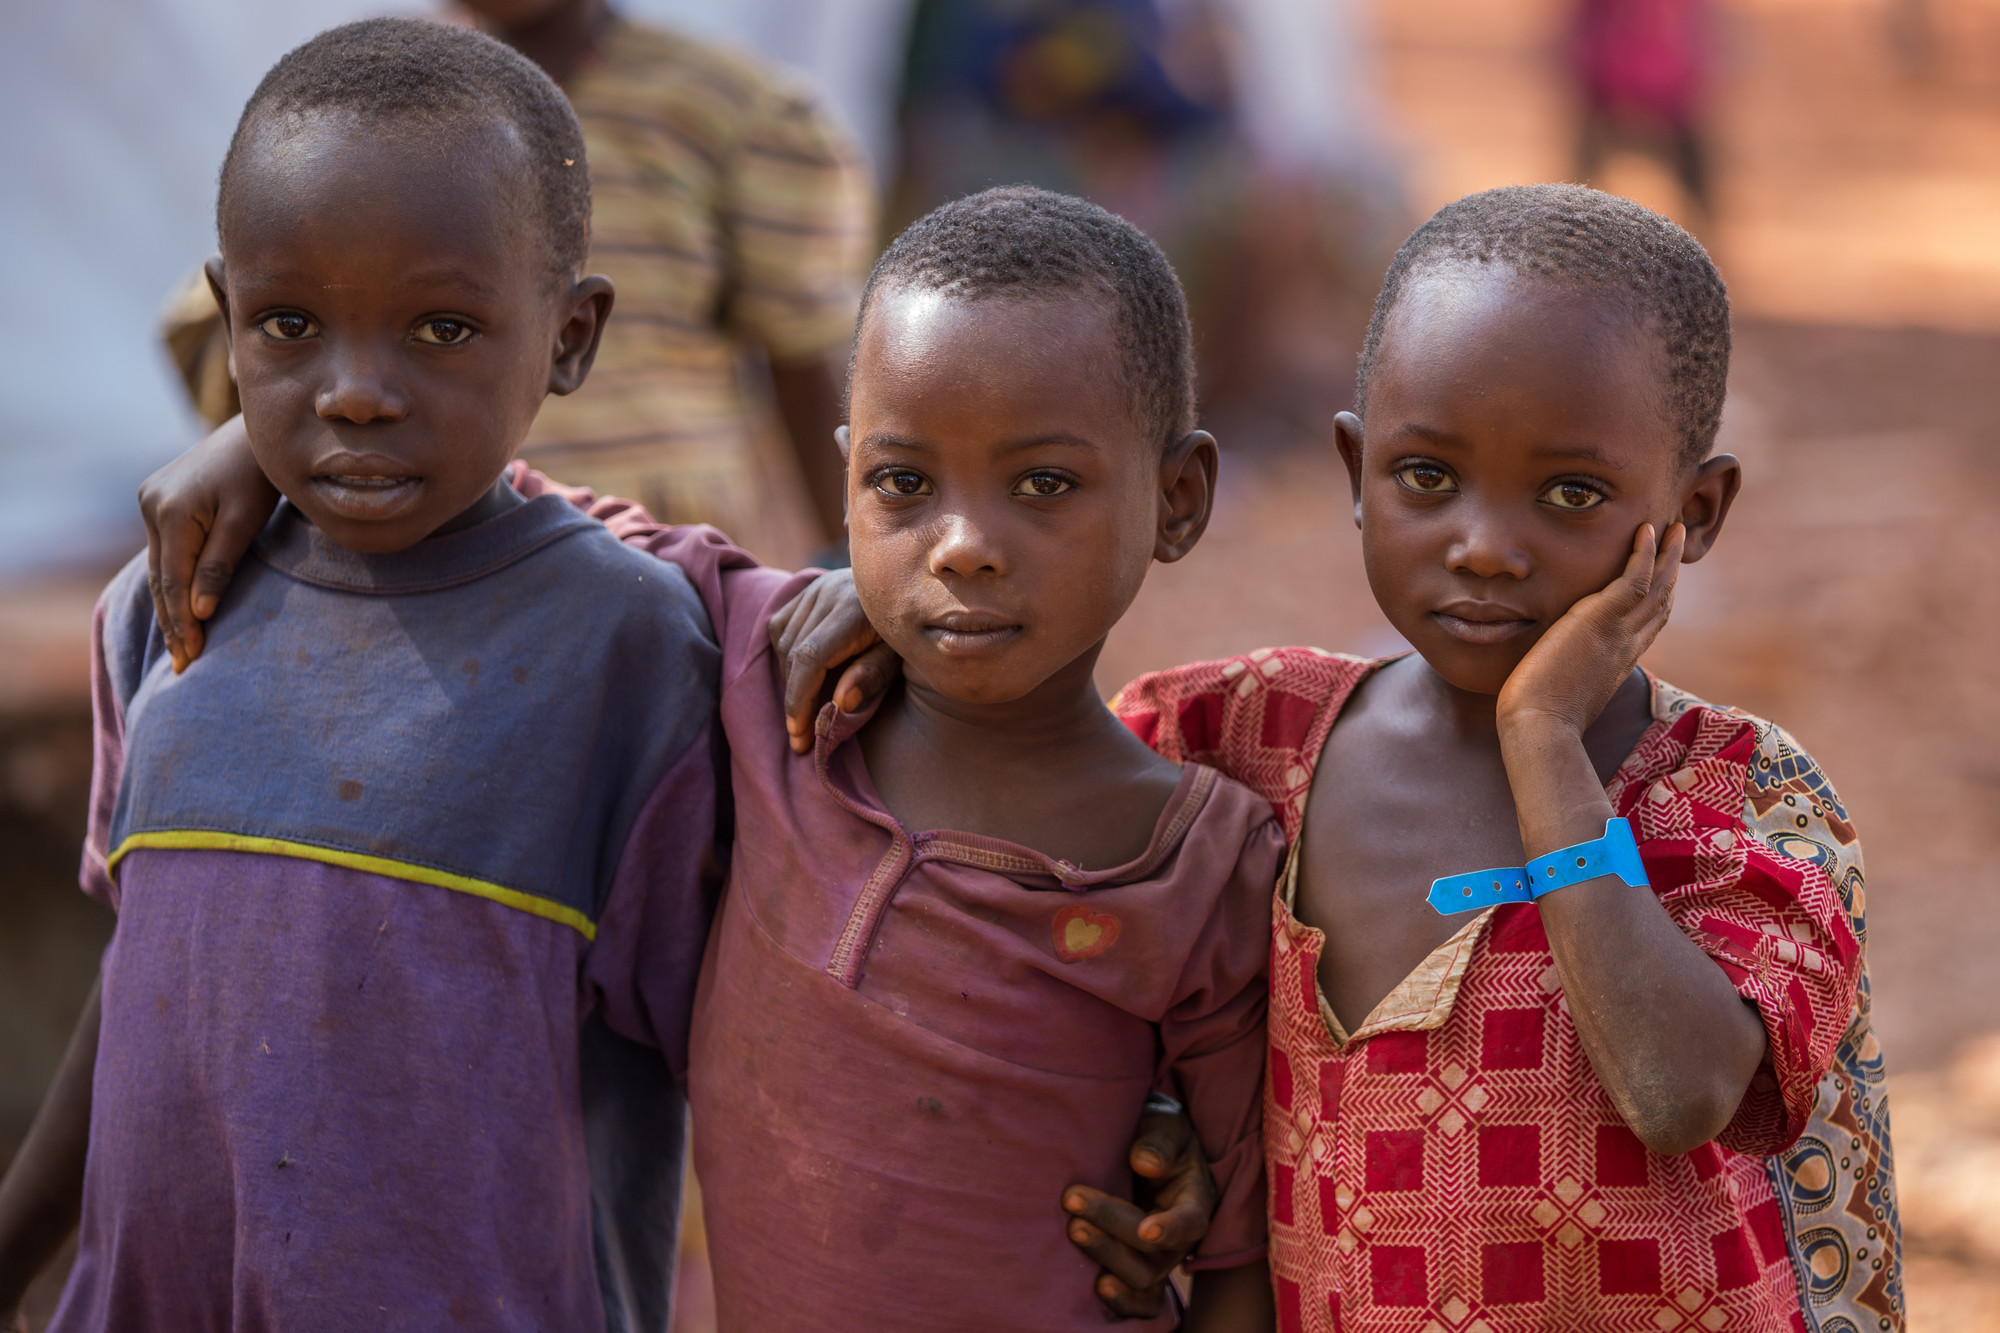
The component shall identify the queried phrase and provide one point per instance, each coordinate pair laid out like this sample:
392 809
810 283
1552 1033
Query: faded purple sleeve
123 641
703 553
641 969
1212 1042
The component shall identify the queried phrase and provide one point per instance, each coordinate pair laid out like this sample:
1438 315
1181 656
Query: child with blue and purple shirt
413 867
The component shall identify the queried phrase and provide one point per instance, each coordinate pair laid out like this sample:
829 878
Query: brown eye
902 484
1043 485
289 328
1573 495
443 332
1426 479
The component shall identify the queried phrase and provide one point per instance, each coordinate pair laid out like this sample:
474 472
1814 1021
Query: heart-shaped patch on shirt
1081 933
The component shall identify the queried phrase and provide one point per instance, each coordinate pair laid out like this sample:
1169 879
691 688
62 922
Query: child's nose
965 547
361 391
1488 549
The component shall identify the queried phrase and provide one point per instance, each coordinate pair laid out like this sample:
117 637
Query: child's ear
218 284
576 342
1710 493
218 287
840 438
1347 439
1187 494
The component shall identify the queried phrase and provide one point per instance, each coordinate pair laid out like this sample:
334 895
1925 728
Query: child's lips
366 496
970 633
1481 623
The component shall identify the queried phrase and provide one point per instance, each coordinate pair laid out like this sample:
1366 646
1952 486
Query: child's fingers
1161 1238
1637 578
802 687
1165 1144
174 544
1178 1225
782 620
1126 1303
163 608
794 618
866 678
1654 607
1137 1267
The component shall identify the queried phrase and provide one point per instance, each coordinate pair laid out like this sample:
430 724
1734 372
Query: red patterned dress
1454 1164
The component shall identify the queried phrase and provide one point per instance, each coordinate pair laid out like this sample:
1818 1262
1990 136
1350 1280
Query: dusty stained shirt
413 871
1455 1162
907 1043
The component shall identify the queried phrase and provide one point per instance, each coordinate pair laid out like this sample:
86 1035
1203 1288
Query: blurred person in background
1642 70
1228 130
736 220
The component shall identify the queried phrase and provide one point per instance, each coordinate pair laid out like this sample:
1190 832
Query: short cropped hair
1021 241
438 77
1574 234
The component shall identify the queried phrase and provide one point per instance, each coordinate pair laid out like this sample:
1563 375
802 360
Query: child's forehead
1447 296
1038 362
326 184
462 159
1063 336
1462 324
1078 314
1479 356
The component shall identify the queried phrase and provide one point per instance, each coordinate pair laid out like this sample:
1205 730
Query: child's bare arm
1232 1300
202 511
1669 1037
42 1193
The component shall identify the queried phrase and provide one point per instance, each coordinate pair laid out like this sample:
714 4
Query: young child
411 899
1633 1103
977 922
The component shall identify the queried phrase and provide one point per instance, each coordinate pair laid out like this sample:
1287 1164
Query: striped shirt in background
733 216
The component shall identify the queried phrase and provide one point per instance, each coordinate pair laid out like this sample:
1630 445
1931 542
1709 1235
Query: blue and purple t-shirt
413 868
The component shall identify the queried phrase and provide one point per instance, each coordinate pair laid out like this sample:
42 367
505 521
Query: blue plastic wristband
1479 890
1616 853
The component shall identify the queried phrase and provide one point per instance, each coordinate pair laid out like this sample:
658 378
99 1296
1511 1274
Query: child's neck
1063 713
1052 770
499 498
1467 718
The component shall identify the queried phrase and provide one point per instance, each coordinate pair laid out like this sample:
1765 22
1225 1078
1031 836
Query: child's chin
377 537
976 684
1474 669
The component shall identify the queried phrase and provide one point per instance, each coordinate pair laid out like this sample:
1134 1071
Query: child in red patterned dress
1638 1103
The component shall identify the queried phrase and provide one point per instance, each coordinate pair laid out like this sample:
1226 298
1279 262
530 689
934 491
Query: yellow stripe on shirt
207 840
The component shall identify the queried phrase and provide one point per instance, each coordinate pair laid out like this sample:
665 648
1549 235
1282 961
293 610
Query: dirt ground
1852 597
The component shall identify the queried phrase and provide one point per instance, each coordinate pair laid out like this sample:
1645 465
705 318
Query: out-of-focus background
1841 158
